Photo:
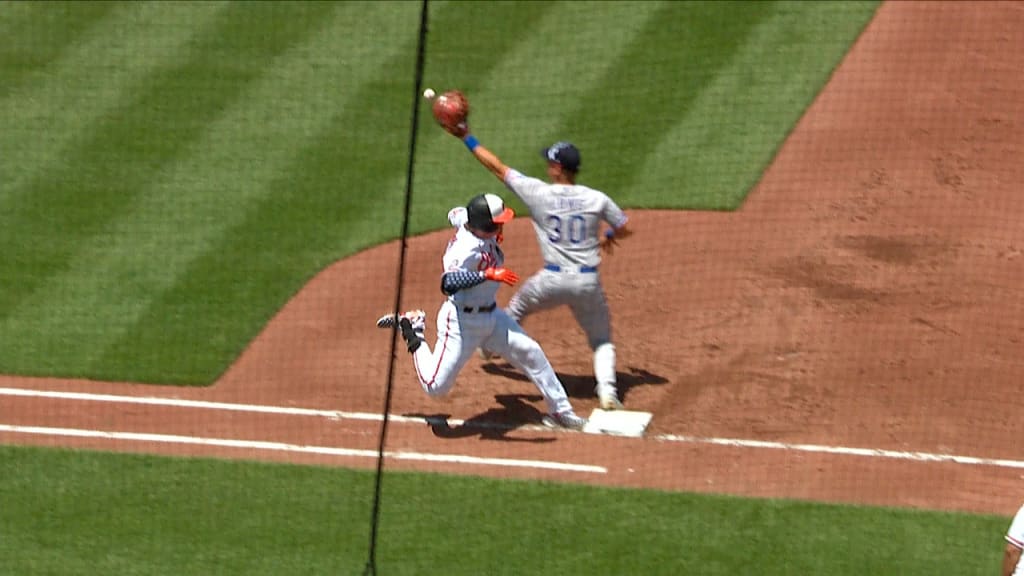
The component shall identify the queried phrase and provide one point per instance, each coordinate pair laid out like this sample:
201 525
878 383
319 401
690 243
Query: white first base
618 422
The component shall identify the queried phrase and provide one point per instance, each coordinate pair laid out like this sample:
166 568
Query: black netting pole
371 563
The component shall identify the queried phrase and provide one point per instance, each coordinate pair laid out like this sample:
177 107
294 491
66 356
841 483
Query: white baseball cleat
568 420
418 319
611 402
609 398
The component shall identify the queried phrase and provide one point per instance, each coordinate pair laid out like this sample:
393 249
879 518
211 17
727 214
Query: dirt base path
866 296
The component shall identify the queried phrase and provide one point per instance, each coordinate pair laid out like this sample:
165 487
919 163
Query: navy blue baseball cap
564 154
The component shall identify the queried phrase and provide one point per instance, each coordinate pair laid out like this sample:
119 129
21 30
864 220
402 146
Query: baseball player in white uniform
1012 566
568 220
470 318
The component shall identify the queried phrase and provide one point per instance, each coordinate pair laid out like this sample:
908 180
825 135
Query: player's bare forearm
1011 556
491 162
485 156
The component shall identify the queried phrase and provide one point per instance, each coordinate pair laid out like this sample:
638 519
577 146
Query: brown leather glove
451 110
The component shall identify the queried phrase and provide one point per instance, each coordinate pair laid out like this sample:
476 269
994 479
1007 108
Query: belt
489 308
583 269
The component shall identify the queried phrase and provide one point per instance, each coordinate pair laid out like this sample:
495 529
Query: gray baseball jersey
567 218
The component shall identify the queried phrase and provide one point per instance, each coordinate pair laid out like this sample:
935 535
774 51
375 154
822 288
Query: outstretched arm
485 156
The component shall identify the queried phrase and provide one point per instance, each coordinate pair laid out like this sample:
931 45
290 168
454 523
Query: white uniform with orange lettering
470 319
1015 536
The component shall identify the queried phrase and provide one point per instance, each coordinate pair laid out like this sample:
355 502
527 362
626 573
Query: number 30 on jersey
571 229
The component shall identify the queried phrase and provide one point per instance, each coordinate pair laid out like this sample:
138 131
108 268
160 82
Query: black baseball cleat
413 337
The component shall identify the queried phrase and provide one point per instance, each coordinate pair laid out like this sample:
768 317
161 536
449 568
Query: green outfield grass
72 514
174 172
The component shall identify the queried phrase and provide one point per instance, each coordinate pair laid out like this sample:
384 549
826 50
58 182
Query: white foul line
339 415
179 403
845 451
255 408
282 447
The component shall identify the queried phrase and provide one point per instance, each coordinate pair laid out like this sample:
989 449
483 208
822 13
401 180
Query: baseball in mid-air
428 94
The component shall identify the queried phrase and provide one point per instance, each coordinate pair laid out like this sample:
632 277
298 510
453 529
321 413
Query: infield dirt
867 294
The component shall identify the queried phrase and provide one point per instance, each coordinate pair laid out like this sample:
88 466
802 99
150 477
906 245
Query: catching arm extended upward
485 156
488 159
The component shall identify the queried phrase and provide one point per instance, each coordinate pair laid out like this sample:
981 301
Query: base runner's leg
436 369
525 301
512 343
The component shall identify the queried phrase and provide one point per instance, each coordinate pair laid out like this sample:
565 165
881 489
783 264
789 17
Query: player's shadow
582 385
493 424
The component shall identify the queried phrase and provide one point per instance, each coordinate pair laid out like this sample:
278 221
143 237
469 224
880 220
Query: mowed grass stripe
147 515
130 515
190 203
101 178
320 196
469 62
520 105
43 119
650 86
343 193
13 12
38 33
715 155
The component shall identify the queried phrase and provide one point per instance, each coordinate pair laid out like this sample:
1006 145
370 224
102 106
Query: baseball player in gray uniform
568 220
469 318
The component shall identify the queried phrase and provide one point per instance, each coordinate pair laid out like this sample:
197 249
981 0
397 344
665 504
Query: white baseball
428 94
